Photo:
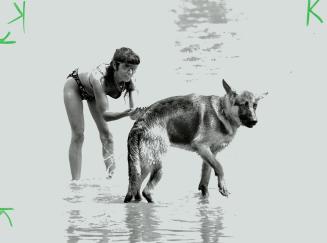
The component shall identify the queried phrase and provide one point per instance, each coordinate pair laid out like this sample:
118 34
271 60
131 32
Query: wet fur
202 124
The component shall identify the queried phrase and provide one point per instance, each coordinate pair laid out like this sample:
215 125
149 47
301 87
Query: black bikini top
114 89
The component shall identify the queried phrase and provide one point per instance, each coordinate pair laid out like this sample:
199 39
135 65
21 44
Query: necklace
121 85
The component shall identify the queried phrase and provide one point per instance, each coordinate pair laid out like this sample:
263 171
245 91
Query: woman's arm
102 101
111 116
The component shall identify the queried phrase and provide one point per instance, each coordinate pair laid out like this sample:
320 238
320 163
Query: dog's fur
203 124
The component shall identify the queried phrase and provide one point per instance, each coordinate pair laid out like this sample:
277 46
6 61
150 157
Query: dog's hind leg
140 153
205 178
134 167
133 187
144 174
146 148
155 177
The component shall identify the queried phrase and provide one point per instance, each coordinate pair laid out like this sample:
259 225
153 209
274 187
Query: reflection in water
211 222
86 220
201 35
98 217
77 230
142 222
196 12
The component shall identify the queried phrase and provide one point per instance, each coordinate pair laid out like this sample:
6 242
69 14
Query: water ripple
103 216
195 12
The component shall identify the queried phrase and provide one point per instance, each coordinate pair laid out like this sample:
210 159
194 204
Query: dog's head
242 107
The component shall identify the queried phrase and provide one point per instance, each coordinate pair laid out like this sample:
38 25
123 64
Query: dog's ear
227 88
259 97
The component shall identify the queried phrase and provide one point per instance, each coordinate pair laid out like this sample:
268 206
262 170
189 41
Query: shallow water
96 214
205 30
94 208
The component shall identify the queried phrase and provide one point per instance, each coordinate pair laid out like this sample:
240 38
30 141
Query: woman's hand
128 112
134 114
137 113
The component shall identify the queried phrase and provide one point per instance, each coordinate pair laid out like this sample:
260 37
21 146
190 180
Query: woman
94 86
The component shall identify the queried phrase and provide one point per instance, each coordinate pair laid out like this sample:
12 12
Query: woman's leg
106 139
74 108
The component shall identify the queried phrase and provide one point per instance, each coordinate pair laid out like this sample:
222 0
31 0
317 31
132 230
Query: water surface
95 213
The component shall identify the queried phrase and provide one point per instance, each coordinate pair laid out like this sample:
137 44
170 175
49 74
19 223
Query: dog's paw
147 196
223 188
128 198
224 192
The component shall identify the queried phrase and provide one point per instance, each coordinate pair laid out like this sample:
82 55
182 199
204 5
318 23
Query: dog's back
178 116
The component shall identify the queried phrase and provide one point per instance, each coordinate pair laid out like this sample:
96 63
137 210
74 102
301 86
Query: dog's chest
215 135
219 146
217 141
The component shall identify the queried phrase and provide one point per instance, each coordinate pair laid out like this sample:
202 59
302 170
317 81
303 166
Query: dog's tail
134 163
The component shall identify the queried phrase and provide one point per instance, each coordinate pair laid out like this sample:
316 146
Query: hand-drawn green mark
21 15
310 11
3 211
3 40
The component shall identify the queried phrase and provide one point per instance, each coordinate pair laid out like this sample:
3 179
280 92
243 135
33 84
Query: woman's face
125 71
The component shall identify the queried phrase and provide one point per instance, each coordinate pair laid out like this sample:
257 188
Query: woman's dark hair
122 55
125 55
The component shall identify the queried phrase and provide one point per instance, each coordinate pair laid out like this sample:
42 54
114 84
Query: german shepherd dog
202 124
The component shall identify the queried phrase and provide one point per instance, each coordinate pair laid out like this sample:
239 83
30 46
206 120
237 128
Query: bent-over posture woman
94 86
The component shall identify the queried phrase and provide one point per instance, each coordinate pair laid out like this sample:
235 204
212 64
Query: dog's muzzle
249 123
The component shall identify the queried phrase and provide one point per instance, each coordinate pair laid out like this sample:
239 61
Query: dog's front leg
205 178
209 157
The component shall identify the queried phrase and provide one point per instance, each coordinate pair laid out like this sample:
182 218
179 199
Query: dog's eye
255 106
246 104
